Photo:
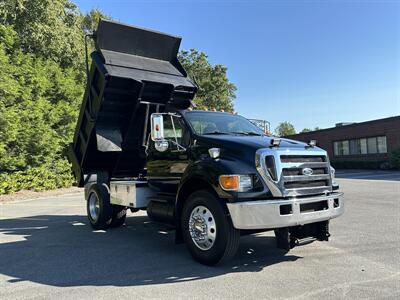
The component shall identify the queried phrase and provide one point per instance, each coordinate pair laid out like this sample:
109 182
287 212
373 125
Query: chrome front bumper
268 214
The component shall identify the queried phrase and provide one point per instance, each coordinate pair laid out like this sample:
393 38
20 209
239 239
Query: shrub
54 175
395 158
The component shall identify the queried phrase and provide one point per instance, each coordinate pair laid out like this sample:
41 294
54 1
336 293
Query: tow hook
289 237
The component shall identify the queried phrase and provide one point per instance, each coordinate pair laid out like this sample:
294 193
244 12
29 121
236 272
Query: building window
336 148
354 147
363 146
371 145
345 148
382 148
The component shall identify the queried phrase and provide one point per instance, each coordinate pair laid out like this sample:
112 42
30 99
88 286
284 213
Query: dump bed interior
134 72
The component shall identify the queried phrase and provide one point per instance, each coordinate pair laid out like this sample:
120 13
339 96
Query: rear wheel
99 209
207 229
118 216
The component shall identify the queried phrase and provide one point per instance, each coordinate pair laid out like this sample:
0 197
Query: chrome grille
294 179
285 177
298 171
302 158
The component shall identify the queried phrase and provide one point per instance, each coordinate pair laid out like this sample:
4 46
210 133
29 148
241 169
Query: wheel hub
94 207
202 227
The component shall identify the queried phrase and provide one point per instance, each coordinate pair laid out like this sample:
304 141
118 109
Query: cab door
165 169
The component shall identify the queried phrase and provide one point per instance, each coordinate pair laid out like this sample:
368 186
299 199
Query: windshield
221 123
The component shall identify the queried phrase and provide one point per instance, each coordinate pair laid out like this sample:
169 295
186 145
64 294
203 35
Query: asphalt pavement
48 250
369 174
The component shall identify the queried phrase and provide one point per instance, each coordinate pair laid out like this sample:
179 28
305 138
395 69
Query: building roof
352 125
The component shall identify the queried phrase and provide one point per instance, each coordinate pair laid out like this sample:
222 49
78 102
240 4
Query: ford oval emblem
307 171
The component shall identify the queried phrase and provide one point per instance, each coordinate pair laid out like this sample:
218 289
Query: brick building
366 144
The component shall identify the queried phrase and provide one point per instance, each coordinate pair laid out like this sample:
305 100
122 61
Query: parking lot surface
48 250
369 174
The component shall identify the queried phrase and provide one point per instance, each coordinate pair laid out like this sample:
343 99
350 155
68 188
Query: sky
312 63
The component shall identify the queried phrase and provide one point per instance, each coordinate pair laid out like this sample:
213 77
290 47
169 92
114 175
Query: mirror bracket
161 146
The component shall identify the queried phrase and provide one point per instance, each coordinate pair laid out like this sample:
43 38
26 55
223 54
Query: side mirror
157 127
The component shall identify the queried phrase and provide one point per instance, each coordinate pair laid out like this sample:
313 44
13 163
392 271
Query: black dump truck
213 176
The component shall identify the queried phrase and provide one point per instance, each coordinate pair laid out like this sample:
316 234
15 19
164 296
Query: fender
205 174
207 171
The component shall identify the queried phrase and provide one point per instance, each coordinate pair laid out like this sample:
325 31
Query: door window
171 122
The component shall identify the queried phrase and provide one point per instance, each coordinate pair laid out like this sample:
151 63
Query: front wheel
207 229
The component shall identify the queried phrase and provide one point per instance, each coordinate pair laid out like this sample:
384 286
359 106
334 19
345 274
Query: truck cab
213 176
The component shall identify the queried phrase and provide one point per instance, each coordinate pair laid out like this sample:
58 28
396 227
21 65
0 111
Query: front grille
315 180
271 167
305 184
296 172
305 158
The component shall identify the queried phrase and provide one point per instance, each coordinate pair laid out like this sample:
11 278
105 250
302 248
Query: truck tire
207 229
99 209
118 216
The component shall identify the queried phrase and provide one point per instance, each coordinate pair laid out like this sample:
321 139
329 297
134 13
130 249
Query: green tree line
286 128
42 80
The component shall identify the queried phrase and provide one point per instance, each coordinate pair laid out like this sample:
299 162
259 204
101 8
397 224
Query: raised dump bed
134 72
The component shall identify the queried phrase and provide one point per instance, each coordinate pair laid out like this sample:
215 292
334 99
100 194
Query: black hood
254 142
245 147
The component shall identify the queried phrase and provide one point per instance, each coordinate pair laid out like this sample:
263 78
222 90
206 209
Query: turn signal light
238 183
229 182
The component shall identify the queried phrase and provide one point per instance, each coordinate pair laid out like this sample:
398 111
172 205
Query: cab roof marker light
312 143
275 142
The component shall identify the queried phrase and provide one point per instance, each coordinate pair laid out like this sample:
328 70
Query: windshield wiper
215 132
247 133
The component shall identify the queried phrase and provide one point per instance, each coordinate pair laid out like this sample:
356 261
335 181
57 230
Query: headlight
238 183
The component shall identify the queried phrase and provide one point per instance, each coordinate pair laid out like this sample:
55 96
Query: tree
92 19
215 89
42 80
38 106
306 130
41 87
47 28
285 129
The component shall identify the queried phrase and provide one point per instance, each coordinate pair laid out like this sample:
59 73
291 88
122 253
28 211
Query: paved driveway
48 250
369 174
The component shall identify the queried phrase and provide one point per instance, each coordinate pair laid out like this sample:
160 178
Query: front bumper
271 214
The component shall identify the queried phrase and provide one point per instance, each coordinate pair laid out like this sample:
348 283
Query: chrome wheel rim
94 207
202 227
